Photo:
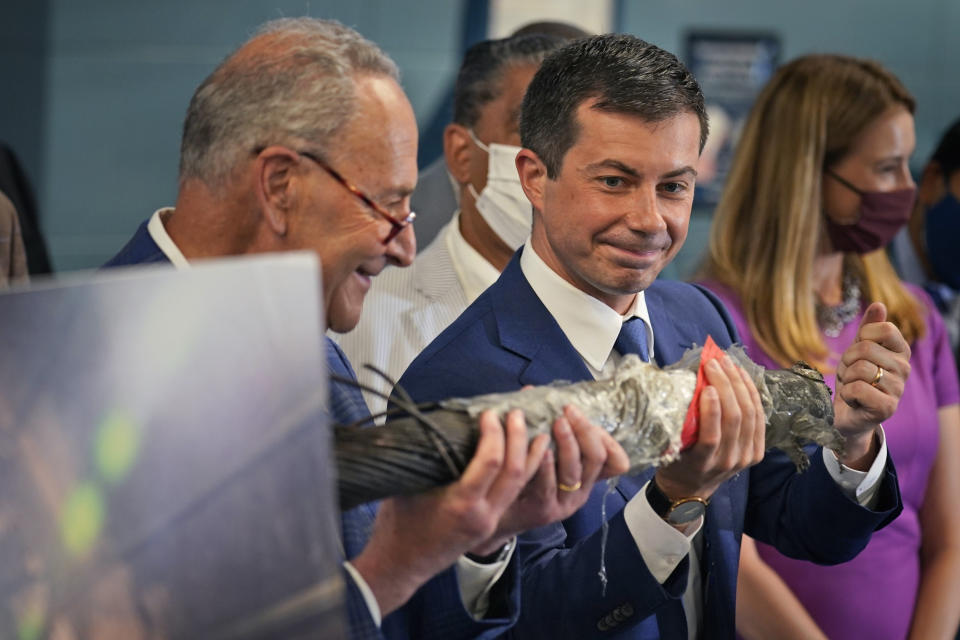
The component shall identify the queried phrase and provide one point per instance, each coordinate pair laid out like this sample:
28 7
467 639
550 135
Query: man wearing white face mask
502 203
407 308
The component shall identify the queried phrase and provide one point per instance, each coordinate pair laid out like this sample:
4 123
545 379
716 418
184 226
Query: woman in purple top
819 185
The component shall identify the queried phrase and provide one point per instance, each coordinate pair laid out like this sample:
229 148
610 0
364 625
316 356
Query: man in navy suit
612 128
303 139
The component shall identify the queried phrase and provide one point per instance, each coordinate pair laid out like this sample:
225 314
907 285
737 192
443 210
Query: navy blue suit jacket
140 249
507 339
435 610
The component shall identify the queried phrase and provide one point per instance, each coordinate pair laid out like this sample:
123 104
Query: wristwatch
679 511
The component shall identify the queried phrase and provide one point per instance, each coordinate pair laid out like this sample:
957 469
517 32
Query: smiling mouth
364 275
645 251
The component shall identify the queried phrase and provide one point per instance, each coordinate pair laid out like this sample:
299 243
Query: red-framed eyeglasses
396 226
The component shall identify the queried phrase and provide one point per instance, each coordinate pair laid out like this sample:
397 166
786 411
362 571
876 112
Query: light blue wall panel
105 83
120 75
916 40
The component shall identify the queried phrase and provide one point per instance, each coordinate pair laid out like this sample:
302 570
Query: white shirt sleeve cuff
661 545
365 590
861 486
476 580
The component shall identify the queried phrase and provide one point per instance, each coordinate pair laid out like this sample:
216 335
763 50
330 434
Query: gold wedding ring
877 378
569 487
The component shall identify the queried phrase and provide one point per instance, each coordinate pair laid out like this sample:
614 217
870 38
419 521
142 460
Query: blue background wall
94 91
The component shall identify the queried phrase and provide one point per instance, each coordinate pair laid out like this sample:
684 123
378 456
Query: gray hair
293 80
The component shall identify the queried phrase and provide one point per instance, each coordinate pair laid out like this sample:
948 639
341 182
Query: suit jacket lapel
671 329
526 328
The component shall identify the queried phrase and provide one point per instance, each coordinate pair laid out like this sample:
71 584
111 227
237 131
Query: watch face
686 512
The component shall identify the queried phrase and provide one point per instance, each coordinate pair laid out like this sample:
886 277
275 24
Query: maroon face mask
882 215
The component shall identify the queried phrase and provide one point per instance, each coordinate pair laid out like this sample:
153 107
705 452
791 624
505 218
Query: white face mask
502 203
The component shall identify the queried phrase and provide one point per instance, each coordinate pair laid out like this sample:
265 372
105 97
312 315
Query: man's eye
612 182
674 187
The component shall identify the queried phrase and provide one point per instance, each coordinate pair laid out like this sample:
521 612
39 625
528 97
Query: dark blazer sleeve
436 611
807 516
564 597
724 316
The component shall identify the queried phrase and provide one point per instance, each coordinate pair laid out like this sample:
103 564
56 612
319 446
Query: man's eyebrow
688 170
396 192
610 163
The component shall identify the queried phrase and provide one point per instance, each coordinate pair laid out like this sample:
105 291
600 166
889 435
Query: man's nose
403 247
644 214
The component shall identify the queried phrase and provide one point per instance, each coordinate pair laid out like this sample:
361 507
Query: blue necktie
633 339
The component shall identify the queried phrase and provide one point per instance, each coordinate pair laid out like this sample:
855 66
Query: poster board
166 470
731 69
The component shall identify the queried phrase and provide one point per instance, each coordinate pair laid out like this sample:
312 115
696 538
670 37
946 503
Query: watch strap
663 506
659 502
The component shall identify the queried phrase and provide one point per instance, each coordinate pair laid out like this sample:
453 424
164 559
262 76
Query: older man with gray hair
303 139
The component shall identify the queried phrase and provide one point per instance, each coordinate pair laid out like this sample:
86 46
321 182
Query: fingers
488 458
731 417
869 406
760 418
512 474
872 396
539 448
873 352
741 386
732 427
593 453
569 466
709 436
868 373
880 336
876 312
618 462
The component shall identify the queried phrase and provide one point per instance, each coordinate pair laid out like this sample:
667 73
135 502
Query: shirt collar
159 235
473 271
590 325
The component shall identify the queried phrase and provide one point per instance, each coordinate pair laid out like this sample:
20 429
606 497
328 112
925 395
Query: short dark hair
947 154
623 73
563 30
478 82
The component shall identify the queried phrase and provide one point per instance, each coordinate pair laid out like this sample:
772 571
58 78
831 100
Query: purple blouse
873 595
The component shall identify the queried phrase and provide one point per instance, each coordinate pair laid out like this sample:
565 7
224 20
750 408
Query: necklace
833 319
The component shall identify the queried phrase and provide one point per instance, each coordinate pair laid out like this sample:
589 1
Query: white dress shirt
473 271
159 234
406 308
592 329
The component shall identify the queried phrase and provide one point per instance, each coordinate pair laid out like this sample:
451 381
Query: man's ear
277 179
456 151
533 177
